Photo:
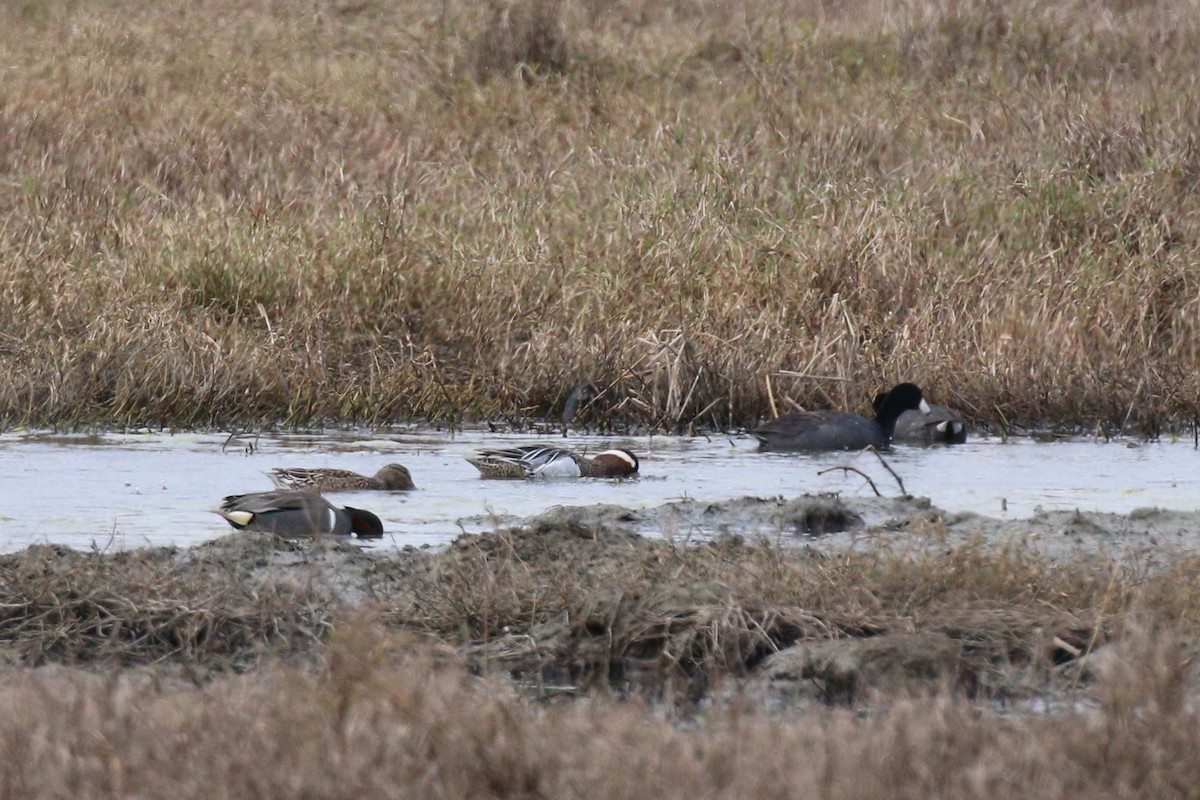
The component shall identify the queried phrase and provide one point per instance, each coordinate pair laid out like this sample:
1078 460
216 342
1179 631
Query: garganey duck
536 461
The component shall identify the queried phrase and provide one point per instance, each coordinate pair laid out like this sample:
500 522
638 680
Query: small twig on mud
866 477
888 467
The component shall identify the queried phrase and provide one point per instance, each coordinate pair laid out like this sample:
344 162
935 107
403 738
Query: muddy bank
799 601
832 522
826 599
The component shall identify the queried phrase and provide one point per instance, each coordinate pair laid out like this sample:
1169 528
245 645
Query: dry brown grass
377 674
376 723
219 212
602 608
202 609
594 607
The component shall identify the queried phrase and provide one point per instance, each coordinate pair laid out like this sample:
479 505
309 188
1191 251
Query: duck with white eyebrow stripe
537 461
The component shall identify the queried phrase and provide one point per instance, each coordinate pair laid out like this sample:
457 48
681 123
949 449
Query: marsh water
124 490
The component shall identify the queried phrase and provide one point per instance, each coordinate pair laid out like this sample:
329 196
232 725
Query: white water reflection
129 490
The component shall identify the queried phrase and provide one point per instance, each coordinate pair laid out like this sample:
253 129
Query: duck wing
283 512
525 462
301 478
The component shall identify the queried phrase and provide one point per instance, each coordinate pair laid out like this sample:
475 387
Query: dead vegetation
624 611
263 212
568 607
402 688
409 726
375 724
203 610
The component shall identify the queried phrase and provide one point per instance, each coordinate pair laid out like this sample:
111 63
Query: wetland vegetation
564 658
265 212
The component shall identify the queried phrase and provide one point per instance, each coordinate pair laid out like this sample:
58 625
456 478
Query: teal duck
393 477
291 514
536 461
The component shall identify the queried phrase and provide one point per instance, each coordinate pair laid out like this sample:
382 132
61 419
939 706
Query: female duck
393 477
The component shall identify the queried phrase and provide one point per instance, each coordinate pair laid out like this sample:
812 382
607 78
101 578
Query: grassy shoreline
226 213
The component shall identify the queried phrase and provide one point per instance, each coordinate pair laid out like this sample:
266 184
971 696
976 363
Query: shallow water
121 490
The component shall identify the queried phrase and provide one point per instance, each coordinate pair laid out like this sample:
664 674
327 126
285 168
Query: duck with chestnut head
536 461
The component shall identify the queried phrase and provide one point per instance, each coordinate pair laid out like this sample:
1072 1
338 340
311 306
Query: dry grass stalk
618 605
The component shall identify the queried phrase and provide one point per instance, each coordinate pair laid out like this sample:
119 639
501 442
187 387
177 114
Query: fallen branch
859 471
888 467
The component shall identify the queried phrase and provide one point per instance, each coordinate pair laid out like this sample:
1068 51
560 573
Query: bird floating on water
393 477
536 461
288 513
